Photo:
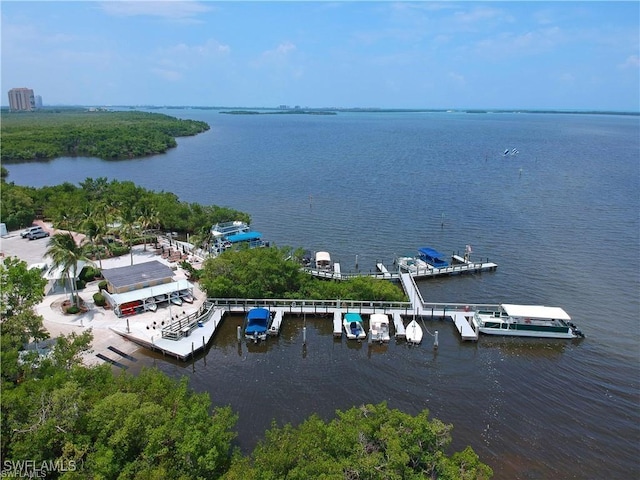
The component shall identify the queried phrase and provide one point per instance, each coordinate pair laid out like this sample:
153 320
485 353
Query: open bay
560 218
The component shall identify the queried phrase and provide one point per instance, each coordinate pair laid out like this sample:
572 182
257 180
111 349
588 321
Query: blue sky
520 55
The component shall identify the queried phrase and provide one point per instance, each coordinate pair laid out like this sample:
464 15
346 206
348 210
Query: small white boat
160 298
323 261
186 296
150 305
379 327
352 325
414 332
176 300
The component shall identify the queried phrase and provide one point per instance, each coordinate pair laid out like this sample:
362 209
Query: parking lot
31 251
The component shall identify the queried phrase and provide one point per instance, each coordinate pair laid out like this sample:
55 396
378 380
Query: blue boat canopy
352 317
244 237
257 320
432 257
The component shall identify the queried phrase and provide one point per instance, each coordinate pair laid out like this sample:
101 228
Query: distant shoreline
332 110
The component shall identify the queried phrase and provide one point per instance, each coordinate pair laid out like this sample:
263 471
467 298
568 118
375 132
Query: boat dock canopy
257 320
144 293
430 252
535 311
244 237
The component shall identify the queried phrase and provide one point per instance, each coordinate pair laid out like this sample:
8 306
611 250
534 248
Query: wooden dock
276 323
398 325
194 332
460 267
455 269
459 313
193 336
337 324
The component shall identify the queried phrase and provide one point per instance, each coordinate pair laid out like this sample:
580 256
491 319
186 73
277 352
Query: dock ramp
463 326
337 323
276 323
399 326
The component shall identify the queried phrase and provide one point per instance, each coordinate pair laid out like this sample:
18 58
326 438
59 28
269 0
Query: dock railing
311 306
183 326
331 275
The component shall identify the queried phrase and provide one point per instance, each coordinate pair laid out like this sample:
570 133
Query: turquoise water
560 218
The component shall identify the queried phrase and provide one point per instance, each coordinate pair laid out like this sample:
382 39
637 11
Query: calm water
561 219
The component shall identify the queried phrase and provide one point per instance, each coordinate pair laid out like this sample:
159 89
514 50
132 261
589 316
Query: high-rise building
38 101
21 99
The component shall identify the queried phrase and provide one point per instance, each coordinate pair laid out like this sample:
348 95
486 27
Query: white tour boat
527 321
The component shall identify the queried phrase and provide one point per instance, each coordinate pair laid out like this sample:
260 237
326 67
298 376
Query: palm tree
147 218
128 227
95 226
65 253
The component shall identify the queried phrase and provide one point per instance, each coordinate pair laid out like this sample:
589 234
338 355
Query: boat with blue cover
226 235
352 324
432 257
257 324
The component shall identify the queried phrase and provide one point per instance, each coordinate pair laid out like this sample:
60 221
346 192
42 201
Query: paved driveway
101 321
31 251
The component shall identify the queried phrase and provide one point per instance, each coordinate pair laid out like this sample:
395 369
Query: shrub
102 285
194 274
117 249
72 310
88 273
99 299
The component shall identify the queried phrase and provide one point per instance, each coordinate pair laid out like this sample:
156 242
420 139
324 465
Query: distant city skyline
430 55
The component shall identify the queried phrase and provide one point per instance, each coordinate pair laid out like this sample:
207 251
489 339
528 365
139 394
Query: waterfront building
21 99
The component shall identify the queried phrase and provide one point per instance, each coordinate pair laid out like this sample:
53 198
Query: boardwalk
187 335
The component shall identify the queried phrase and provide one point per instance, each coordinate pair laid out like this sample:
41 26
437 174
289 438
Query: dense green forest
61 419
104 134
73 207
275 273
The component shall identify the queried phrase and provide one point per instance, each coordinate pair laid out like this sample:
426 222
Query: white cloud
632 61
170 75
276 56
173 10
479 14
207 49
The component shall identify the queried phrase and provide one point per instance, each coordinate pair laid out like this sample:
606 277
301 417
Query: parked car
40 233
27 231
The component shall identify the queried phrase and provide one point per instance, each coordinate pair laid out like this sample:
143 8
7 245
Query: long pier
185 336
458 267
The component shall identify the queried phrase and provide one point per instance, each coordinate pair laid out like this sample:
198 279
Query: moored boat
186 296
257 324
176 300
352 324
432 257
379 327
413 332
527 321
150 305
323 261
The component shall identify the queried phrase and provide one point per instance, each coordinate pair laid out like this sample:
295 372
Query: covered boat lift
128 303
